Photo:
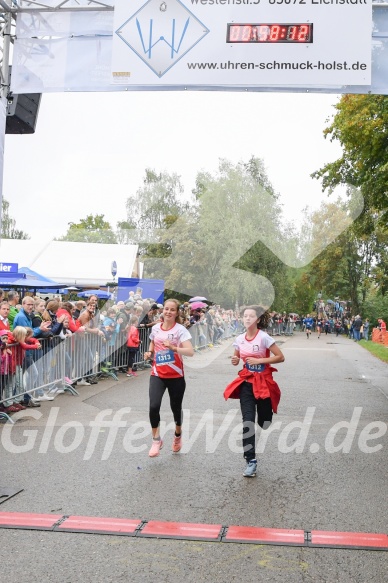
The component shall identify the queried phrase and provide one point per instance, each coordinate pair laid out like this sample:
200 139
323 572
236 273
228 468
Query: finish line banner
242 42
204 45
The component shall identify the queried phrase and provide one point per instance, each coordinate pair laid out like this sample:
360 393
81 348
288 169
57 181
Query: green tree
153 208
92 229
380 265
346 267
361 126
125 233
304 292
8 224
160 198
375 307
214 245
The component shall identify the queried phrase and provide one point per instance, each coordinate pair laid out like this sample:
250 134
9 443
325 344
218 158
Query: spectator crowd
33 330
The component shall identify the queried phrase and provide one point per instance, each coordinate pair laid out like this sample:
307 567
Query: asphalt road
313 474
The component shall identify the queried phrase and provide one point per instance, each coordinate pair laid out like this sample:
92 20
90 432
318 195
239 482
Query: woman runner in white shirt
259 394
169 342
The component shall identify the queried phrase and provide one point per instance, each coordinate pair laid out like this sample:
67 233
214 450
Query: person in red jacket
133 343
259 394
22 339
67 310
5 373
4 311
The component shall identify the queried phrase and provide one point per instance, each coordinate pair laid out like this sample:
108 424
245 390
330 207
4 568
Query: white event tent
78 264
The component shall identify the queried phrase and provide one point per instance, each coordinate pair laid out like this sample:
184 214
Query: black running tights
176 390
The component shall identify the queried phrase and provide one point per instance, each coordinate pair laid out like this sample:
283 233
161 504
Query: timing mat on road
192 531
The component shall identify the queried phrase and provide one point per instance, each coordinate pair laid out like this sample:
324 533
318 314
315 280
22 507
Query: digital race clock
270 33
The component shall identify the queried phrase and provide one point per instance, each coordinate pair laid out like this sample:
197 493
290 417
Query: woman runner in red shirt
169 342
258 392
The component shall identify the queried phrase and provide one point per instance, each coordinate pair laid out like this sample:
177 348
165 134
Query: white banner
242 42
72 51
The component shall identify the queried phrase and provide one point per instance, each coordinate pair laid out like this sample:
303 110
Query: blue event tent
7 279
28 279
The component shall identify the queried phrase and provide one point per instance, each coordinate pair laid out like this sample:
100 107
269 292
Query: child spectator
23 340
5 375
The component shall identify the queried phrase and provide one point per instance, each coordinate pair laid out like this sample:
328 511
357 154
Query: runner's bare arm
236 357
150 351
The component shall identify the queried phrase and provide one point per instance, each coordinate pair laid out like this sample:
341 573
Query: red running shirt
176 335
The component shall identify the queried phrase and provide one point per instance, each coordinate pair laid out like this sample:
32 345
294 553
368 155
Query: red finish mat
93 524
276 536
185 530
350 540
194 531
28 521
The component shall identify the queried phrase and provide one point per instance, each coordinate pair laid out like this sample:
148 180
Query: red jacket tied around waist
260 381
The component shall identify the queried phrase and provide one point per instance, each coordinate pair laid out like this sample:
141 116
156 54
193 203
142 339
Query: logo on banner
161 33
9 267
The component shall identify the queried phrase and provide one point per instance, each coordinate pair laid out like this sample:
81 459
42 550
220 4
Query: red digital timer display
270 33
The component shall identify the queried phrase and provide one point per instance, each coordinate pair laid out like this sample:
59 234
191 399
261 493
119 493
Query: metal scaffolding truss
8 13
53 5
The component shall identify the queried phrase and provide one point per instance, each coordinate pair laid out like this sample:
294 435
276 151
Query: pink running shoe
176 443
155 448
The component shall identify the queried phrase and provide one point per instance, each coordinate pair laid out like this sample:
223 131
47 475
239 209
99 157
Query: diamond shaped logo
161 32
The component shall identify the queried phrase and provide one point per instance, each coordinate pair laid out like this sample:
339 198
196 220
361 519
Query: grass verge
378 350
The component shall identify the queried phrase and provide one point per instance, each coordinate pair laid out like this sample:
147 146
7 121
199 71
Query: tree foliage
361 126
155 206
160 199
352 265
375 307
305 292
92 229
218 246
125 233
8 224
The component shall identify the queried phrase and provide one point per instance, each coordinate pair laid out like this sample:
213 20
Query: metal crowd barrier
60 363
206 335
34 372
114 353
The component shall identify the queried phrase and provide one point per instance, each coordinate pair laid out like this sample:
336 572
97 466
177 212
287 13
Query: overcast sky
90 150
